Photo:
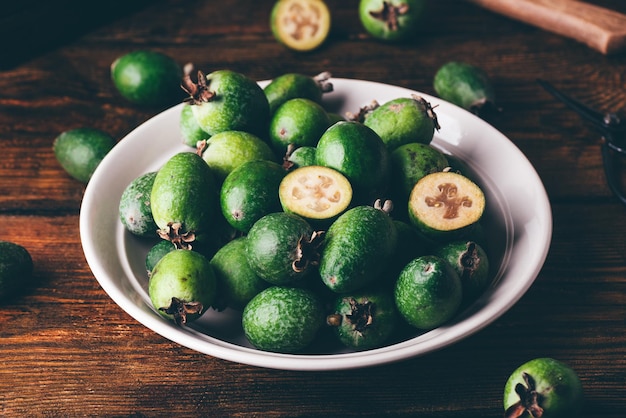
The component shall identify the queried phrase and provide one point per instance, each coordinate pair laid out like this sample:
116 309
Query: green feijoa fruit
182 285
283 319
464 85
147 78
471 263
294 85
226 100
357 248
250 192
299 157
392 20
316 193
543 387
445 205
364 319
282 248
80 151
135 210
156 253
184 199
191 133
428 292
237 282
16 269
300 122
403 120
301 25
357 152
409 163
227 150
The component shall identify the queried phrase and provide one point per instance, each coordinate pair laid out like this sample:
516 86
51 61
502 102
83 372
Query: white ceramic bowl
518 223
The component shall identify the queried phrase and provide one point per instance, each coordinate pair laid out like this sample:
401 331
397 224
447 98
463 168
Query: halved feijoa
445 205
315 192
302 25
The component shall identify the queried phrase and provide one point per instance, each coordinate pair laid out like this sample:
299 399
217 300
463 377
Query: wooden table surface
67 350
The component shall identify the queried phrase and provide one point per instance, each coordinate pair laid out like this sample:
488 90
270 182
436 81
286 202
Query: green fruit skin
428 292
401 121
135 210
272 244
16 269
357 152
290 86
559 387
147 78
185 275
409 163
227 150
185 191
156 253
302 157
410 245
357 249
471 263
237 282
283 319
300 122
190 131
80 151
355 331
250 192
239 104
408 23
464 85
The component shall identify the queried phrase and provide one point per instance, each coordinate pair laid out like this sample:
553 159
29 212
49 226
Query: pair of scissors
613 131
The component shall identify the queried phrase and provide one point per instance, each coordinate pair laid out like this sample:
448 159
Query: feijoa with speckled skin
281 248
226 100
300 122
357 248
357 152
250 192
464 85
16 269
283 319
471 263
147 78
392 20
190 131
403 120
184 199
294 85
364 319
156 253
227 150
543 387
237 282
80 151
299 157
135 210
428 292
182 285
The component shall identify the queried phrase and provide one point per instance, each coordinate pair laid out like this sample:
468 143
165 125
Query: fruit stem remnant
174 233
361 315
307 251
363 112
198 92
389 14
430 110
529 400
180 309
322 81
386 206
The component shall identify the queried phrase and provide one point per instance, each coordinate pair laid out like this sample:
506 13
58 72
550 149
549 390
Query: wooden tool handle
600 28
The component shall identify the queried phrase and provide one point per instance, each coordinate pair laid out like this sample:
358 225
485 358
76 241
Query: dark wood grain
67 350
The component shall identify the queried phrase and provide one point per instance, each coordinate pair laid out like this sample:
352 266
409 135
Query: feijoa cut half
302 25
316 193
445 205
